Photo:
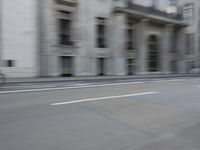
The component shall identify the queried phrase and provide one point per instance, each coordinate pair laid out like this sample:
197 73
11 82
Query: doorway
66 66
130 67
101 66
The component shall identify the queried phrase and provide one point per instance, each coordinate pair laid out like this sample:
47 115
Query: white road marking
101 98
126 80
174 80
82 84
67 88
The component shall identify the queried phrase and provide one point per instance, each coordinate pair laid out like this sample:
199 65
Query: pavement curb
92 78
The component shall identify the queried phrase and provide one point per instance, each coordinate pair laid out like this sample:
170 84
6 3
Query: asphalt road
159 114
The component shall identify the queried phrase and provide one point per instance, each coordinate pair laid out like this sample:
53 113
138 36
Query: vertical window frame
64 27
101 25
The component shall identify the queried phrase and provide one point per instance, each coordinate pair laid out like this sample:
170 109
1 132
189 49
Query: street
156 114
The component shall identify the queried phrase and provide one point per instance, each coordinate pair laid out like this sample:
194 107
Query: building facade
99 37
191 13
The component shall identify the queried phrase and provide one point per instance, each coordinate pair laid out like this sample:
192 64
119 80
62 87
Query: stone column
166 48
141 47
84 29
118 44
47 39
181 49
1 47
196 53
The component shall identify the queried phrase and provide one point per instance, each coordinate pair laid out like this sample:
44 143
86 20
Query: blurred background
53 38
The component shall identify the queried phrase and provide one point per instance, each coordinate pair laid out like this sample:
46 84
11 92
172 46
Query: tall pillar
141 45
1 47
85 36
181 49
166 48
197 53
42 59
118 44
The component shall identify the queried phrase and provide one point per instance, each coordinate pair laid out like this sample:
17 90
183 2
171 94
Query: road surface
158 114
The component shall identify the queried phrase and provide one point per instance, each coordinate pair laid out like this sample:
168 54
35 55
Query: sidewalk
90 78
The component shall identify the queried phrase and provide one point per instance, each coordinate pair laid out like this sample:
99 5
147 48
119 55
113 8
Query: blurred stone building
99 37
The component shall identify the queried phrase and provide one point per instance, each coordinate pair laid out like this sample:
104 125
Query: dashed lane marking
101 98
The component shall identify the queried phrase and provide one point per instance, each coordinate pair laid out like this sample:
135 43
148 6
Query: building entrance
130 67
66 66
101 66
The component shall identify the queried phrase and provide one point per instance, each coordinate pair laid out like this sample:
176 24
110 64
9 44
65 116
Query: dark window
129 45
64 28
188 13
101 33
189 43
153 53
173 44
9 63
130 34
